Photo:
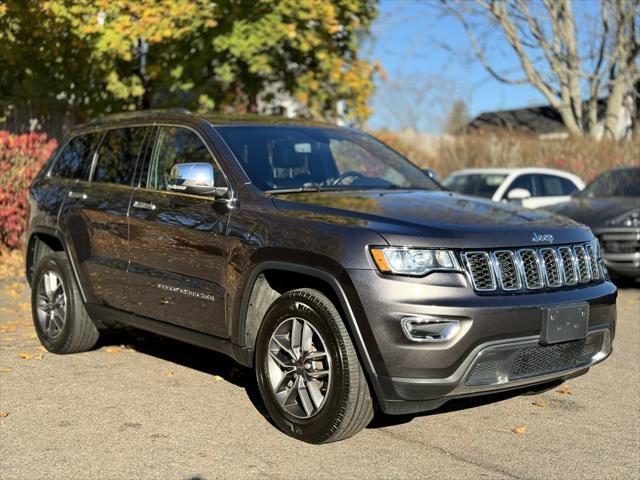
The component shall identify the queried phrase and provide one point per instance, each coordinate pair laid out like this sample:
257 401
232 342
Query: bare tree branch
580 61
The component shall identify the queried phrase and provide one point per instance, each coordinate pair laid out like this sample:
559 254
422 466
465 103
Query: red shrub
21 158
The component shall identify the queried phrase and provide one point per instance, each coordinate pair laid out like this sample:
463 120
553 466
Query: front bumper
621 250
498 346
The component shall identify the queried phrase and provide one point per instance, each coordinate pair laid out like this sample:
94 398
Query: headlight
629 219
416 262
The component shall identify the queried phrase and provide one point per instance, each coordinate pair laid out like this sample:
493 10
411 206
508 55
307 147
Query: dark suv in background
318 256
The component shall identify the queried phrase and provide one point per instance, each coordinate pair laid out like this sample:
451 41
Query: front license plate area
565 323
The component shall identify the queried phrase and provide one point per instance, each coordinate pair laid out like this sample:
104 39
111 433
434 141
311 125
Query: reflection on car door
178 242
96 217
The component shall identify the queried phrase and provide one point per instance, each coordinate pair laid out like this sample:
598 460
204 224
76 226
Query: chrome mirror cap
194 178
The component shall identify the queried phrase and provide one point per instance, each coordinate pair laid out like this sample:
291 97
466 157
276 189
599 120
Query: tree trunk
614 107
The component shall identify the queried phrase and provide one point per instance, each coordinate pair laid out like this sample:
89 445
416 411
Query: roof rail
136 114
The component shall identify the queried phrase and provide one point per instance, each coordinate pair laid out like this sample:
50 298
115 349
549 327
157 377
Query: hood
437 217
596 212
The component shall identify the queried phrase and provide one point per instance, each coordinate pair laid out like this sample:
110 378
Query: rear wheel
308 371
59 316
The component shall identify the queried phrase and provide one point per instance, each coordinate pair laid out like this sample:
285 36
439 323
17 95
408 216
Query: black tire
347 407
78 332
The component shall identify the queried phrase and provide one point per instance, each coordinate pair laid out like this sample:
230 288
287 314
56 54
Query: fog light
430 329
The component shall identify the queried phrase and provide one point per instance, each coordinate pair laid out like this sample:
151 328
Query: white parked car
531 187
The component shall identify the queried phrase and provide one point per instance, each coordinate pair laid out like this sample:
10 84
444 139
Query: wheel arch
267 283
43 241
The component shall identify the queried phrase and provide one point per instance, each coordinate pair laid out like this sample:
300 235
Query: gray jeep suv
346 277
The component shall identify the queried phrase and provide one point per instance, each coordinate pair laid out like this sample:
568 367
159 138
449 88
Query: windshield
615 183
477 184
290 158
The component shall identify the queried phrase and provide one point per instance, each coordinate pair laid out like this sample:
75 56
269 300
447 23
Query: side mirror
430 172
518 194
194 178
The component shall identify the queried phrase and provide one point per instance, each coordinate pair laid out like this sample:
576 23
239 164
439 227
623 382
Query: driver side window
175 145
523 181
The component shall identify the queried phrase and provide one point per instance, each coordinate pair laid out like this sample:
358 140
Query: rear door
178 242
95 217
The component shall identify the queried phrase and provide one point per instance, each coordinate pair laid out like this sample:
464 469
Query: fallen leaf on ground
565 389
25 356
169 373
5 370
112 349
520 429
540 403
3 414
217 378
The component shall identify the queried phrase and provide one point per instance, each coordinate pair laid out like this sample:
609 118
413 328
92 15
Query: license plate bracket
564 323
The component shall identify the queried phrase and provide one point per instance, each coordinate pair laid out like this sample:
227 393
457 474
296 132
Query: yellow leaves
169 373
5 370
4 414
565 389
520 429
30 356
540 403
217 378
114 349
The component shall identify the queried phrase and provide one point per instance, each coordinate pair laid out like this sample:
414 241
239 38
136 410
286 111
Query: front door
178 242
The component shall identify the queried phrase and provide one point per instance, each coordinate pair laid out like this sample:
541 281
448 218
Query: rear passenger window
118 154
74 161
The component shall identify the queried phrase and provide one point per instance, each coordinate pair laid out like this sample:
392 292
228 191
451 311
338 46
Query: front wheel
308 371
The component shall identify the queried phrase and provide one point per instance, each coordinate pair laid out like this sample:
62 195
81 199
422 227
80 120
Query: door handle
80 195
144 205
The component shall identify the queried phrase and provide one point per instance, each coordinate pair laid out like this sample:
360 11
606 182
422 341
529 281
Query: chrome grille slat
568 259
551 268
479 266
507 270
592 261
531 269
583 266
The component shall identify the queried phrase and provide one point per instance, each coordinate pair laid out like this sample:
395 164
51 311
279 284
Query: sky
408 39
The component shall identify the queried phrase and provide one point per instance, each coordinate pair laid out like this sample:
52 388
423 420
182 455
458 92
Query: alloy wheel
299 367
51 304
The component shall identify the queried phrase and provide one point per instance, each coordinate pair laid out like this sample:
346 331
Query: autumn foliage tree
89 57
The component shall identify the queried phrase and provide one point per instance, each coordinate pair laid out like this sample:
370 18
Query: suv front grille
531 268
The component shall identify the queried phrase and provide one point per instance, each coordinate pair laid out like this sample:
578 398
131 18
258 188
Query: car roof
185 115
507 171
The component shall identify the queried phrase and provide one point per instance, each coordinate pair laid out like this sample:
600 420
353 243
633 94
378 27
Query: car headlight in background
416 262
629 219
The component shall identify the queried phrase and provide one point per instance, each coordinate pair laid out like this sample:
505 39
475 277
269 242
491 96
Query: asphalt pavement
140 406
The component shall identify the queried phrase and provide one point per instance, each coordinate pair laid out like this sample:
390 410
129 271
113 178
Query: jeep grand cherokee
338 270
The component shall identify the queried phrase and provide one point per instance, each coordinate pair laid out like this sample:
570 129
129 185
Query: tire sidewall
319 427
53 263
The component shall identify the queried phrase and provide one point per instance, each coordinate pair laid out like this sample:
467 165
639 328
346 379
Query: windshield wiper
307 187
